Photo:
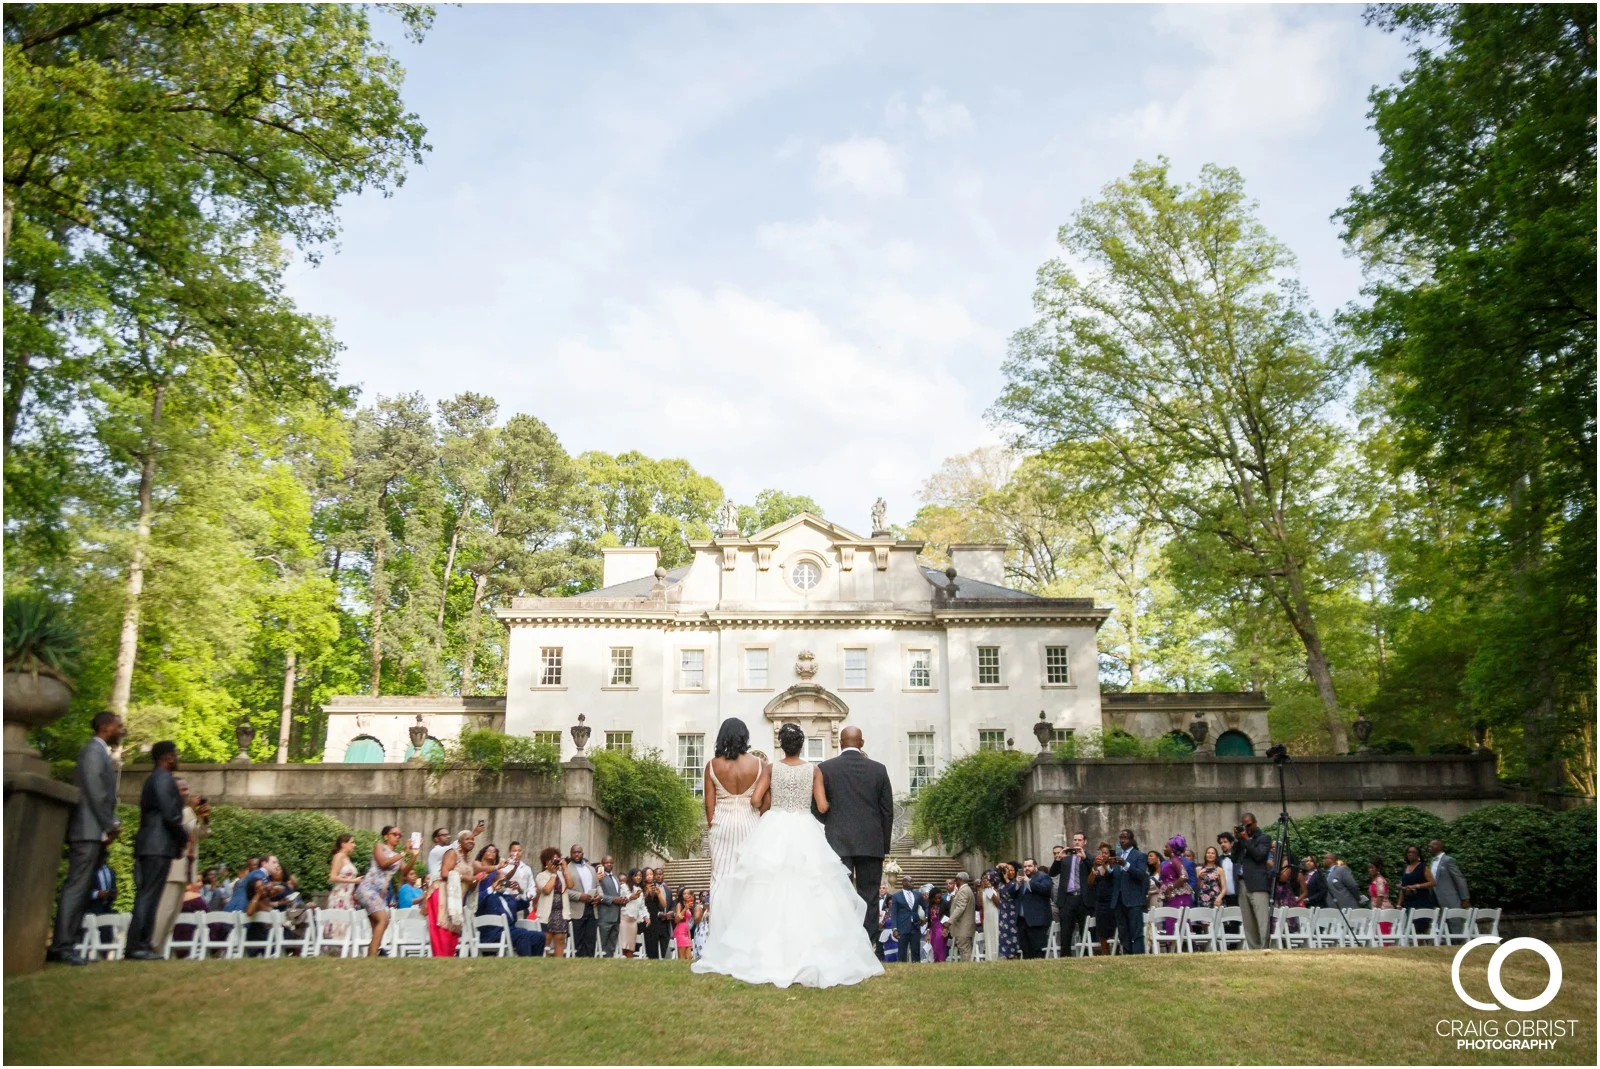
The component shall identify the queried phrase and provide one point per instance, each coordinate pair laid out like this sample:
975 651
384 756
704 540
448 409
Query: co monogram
1496 960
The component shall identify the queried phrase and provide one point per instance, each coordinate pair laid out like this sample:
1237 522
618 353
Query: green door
1234 744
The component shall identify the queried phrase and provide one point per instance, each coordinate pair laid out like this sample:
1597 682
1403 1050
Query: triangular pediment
806 519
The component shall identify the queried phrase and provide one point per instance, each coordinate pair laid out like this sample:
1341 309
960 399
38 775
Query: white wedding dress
787 912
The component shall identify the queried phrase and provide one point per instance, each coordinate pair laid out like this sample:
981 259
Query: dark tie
1072 875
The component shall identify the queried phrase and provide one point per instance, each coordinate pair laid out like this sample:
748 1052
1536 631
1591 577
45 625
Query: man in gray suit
1449 886
860 820
162 837
93 825
1343 891
609 908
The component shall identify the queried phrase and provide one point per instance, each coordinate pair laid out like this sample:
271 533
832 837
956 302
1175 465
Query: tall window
1055 665
692 762
855 668
988 666
755 668
919 665
622 666
692 670
550 666
816 750
620 741
1060 734
553 738
921 750
991 740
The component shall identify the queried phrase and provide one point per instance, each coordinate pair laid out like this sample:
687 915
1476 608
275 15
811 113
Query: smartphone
416 841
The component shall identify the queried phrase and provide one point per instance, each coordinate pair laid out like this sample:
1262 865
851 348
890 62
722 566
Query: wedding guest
1006 911
197 828
1378 891
519 874
343 876
1211 880
161 838
907 910
702 930
1103 895
450 902
1288 889
372 893
658 908
497 898
550 887
1230 887
1416 884
1343 892
1315 882
683 923
1449 885
1253 874
1032 894
1130 871
90 829
583 899
1152 889
962 915
988 918
1071 873
936 920
1177 891
609 910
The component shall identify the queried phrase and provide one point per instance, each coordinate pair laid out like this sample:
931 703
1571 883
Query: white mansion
803 622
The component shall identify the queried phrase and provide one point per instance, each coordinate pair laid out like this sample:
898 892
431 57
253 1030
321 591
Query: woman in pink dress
1378 891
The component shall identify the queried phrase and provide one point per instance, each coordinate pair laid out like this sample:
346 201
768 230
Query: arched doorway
1178 742
817 710
431 748
1235 744
364 750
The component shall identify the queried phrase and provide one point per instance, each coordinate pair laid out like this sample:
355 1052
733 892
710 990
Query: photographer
1252 869
1129 871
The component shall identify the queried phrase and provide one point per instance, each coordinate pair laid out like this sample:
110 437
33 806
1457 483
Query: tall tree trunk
1377 629
1132 627
21 365
380 591
480 586
1298 608
128 641
449 566
286 709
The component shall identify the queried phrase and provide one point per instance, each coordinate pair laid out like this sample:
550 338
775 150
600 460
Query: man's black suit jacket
860 817
1062 868
161 831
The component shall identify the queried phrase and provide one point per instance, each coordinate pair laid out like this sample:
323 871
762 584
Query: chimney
624 563
985 563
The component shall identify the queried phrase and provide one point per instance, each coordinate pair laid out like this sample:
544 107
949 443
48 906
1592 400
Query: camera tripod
1279 835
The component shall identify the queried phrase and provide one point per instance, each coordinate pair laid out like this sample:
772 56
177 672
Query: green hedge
970 805
303 842
1522 858
650 805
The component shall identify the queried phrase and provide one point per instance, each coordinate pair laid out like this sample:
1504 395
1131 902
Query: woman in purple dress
935 928
1176 890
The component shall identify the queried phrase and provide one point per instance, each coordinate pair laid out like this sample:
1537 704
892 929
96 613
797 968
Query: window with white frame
549 738
920 748
756 659
620 741
1056 665
816 749
855 667
1060 734
988 666
692 762
692 669
991 740
621 666
550 666
919 669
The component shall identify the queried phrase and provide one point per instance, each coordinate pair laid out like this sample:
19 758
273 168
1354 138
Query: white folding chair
326 939
1395 936
1455 925
1414 935
221 933
1083 939
270 944
1050 948
112 942
188 944
1361 926
1480 917
360 933
1292 927
1154 937
498 947
1224 938
1200 928
1328 928
407 936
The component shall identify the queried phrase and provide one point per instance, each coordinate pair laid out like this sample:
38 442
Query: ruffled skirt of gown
788 913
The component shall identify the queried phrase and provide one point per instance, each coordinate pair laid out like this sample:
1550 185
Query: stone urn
580 734
33 700
244 735
418 733
1363 730
1198 730
1045 732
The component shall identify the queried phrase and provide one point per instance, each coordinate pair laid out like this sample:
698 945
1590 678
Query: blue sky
789 243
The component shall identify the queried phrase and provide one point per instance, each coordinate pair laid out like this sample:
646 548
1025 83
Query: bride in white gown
786 911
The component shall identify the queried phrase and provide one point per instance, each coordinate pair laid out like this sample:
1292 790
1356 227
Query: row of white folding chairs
1326 926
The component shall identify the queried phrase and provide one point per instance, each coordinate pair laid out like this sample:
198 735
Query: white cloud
828 245
894 112
941 117
759 393
1263 71
862 165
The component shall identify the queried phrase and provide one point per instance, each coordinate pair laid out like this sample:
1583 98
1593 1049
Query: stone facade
387 722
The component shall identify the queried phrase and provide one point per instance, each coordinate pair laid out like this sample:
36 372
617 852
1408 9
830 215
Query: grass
1306 1007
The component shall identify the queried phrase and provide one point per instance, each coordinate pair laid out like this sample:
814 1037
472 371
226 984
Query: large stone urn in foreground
38 648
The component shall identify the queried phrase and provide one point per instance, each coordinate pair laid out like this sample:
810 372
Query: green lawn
1278 1008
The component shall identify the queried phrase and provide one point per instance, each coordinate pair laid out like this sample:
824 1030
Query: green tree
1478 236
637 501
771 508
1200 369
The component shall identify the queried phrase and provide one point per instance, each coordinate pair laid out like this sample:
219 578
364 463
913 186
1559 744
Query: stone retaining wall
1201 796
516 804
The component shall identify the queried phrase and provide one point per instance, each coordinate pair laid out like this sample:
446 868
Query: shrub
1392 746
1572 833
493 751
971 805
1513 857
651 807
1357 837
1119 743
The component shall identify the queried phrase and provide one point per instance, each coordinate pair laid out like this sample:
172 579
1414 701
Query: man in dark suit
161 838
1130 873
1071 876
1316 883
92 826
609 910
907 912
860 819
1033 909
